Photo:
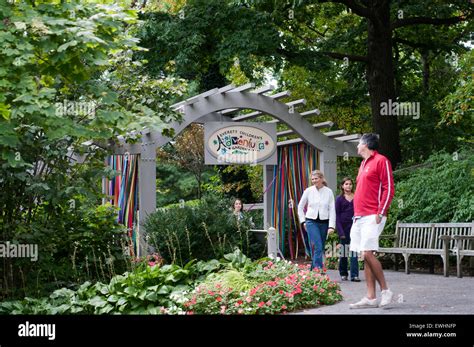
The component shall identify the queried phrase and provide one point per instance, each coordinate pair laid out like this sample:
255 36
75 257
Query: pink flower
281 292
190 312
238 303
211 293
283 307
223 309
248 299
269 303
218 299
322 290
315 287
240 311
261 304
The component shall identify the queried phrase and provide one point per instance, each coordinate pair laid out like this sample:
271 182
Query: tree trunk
381 81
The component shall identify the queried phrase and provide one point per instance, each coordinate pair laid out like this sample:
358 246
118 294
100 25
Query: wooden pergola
226 104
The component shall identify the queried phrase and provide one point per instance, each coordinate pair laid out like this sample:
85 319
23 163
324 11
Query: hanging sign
228 143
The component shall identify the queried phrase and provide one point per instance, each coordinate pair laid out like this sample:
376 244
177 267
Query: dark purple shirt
344 214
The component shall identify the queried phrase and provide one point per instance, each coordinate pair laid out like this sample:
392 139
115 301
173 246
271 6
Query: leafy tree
373 39
63 82
188 152
203 44
457 107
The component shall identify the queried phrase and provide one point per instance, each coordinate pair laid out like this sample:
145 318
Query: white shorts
365 233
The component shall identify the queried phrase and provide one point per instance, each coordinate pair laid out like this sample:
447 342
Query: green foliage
145 290
242 286
458 106
200 43
86 243
442 190
67 77
175 183
206 231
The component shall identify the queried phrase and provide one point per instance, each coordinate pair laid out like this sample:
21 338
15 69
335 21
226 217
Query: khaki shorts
365 233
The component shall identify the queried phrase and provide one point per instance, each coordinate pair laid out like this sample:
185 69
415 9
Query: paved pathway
422 294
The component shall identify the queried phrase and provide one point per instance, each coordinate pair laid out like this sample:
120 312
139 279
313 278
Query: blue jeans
343 260
317 234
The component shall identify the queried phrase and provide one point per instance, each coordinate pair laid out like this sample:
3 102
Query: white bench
440 239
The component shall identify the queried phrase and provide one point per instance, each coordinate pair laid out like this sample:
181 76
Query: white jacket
320 204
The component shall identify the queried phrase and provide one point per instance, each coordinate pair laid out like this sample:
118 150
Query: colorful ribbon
292 174
122 191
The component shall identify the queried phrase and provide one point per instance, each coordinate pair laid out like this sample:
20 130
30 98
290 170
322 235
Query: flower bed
285 287
233 285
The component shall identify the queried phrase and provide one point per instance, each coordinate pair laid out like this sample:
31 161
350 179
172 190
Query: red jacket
375 188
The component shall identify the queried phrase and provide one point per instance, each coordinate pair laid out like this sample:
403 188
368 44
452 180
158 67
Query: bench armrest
463 237
445 237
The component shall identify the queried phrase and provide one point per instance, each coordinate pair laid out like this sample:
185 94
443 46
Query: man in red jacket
372 198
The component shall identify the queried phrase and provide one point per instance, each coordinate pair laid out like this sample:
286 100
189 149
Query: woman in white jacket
320 217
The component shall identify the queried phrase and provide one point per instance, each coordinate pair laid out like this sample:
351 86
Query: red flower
261 304
190 312
283 307
211 293
218 299
281 292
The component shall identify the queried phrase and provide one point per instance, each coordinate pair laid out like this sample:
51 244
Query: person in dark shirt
344 214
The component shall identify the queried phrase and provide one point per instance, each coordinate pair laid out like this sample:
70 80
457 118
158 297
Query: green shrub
85 243
206 231
145 290
441 190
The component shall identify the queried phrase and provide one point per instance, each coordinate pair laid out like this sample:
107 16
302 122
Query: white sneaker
387 296
365 303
